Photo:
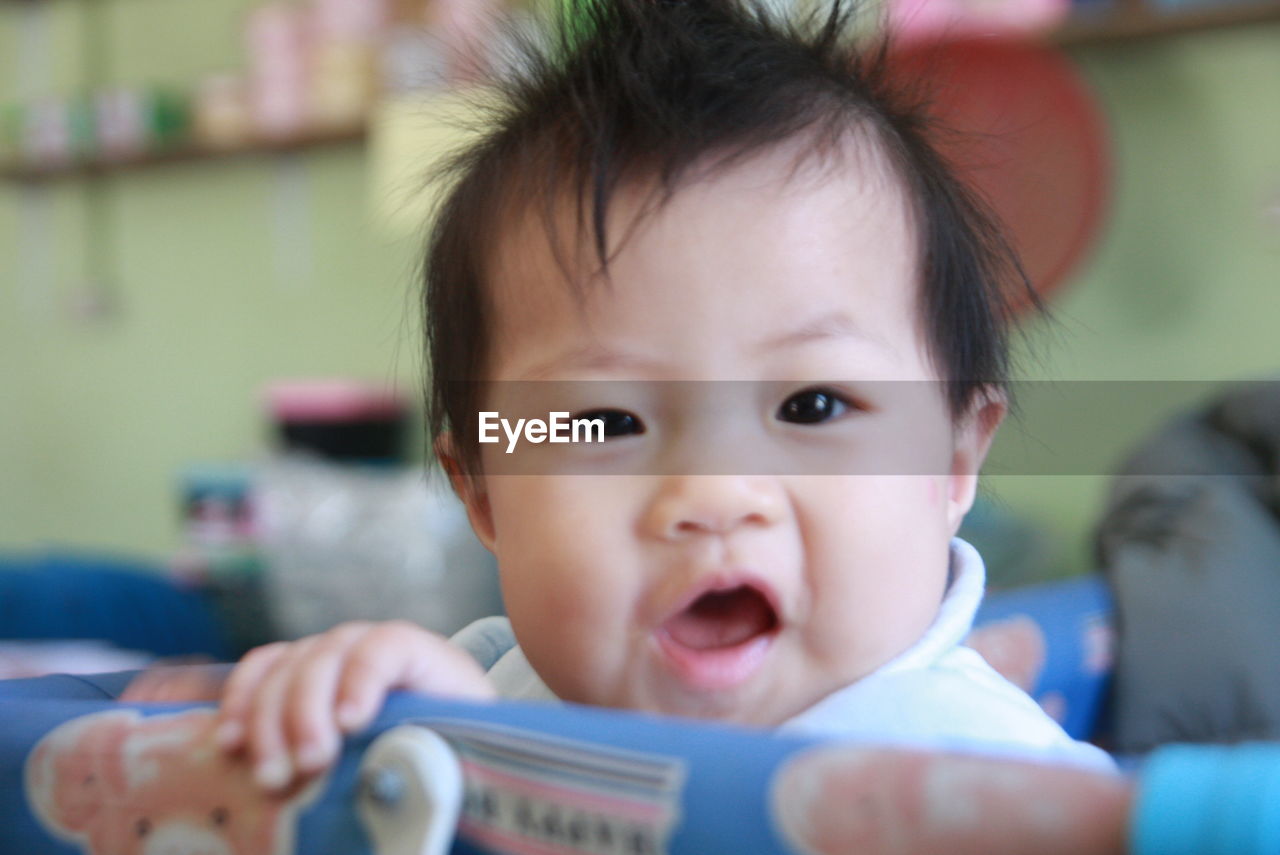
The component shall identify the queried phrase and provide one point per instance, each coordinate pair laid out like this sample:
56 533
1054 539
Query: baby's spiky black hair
642 90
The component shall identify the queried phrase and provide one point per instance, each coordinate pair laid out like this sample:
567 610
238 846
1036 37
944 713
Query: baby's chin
762 708
779 689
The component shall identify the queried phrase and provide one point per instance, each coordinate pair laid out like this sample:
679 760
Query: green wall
1185 283
226 274
233 272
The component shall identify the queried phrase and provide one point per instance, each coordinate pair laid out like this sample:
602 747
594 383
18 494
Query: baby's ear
985 415
469 486
973 436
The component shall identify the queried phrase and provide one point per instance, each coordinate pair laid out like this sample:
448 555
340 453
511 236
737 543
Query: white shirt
937 694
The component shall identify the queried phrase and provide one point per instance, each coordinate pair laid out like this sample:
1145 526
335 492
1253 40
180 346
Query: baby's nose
691 505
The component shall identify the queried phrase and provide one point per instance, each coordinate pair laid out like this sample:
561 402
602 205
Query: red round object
1021 127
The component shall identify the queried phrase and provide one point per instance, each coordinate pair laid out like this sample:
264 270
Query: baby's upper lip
725 580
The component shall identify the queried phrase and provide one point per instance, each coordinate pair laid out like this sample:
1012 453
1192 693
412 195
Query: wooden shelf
1132 21
185 154
1125 21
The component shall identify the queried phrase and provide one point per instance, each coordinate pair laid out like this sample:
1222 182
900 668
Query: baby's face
663 570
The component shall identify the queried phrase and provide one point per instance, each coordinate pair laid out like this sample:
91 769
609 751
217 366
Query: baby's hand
289 703
175 683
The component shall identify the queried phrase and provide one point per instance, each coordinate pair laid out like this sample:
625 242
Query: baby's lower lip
717 668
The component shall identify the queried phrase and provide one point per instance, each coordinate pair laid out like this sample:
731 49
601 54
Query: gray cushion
1194 562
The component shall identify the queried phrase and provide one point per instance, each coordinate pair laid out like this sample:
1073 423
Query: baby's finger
170 684
273 767
310 725
238 693
399 655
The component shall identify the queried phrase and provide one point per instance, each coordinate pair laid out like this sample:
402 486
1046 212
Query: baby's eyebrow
591 357
835 324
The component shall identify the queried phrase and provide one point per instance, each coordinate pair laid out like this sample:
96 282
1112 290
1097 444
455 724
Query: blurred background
210 225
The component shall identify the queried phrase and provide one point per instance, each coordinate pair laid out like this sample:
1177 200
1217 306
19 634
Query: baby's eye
812 406
616 422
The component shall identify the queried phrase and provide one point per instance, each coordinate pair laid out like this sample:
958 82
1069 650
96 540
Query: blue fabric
1206 800
1073 615
130 604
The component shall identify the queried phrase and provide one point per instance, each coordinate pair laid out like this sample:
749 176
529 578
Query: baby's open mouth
722 619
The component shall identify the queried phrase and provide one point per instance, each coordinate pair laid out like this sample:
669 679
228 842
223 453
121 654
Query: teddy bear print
119 783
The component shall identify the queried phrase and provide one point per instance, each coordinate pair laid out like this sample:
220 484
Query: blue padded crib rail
82 774
622 782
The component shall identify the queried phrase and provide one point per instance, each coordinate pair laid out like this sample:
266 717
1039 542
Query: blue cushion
127 603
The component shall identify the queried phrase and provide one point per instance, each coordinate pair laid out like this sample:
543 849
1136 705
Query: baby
730 244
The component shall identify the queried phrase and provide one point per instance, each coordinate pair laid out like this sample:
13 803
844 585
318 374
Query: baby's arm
288 704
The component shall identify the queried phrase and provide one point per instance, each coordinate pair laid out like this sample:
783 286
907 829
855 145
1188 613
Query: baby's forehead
564 246
759 256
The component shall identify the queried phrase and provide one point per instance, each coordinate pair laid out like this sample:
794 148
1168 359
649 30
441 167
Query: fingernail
272 774
312 756
229 734
348 715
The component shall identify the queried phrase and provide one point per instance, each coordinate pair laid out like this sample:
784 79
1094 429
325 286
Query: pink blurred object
330 400
338 420
924 20
47 135
278 39
1021 126
344 83
277 34
350 20
120 115
344 60
465 27
222 111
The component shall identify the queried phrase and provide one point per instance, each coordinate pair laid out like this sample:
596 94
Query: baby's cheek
933 493
575 641
574 668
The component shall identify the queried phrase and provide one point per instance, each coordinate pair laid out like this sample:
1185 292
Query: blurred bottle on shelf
929 20
342 542
345 59
222 111
108 125
347 531
337 419
277 42
331 525
129 122
118 115
168 117
46 133
220 552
